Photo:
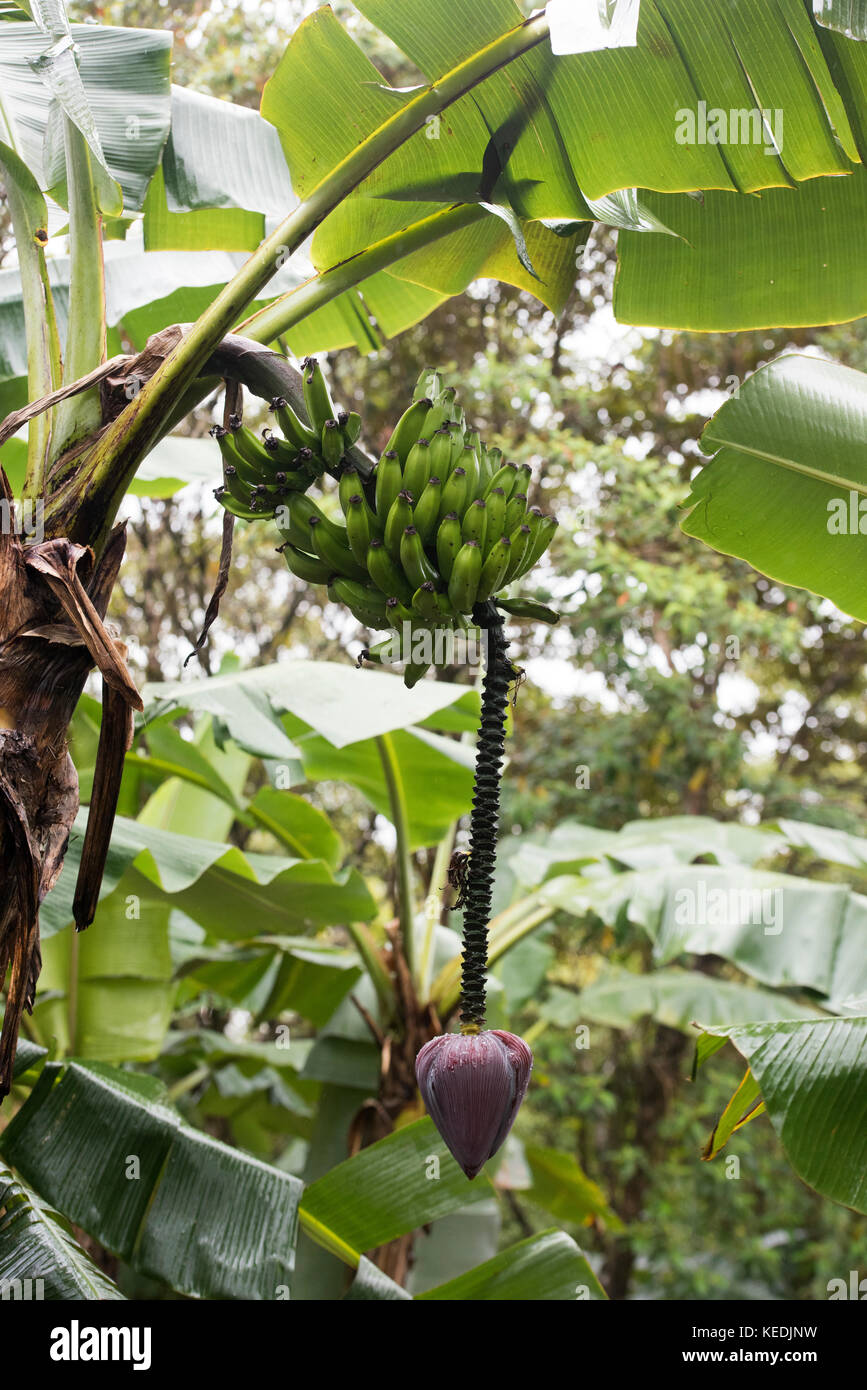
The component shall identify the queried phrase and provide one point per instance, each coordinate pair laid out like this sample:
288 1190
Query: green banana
367 605
520 540
291 427
449 542
248 443
455 493
396 523
441 454
414 563
417 468
437 415
295 479
494 568
408 429
389 482
358 529
307 567
441 510
506 478
386 575
496 459
427 510
250 447
230 504
233 458
473 440
525 477
525 608
398 612
465 576
468 461
541 538
350 423
496 505
303 462
515 512
332 444
334 553
348 485
430 383
485 473
413 673
449 396
238 490
316 397
305 509
424 601
475 521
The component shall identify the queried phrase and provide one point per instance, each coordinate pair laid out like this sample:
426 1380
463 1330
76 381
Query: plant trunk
52 602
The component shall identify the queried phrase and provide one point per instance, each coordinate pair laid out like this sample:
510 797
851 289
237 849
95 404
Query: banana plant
454 165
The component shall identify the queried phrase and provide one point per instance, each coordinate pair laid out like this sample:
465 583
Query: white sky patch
736 694
586 26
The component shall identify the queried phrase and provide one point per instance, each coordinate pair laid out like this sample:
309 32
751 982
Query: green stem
28 213
129 438
269 324
188 1083
287 311
80 415
433 909
371 955
279 832
400 821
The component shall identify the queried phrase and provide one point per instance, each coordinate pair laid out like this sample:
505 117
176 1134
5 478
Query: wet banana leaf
206 1219
39 1256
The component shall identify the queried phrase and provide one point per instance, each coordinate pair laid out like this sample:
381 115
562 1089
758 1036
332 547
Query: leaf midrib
818 474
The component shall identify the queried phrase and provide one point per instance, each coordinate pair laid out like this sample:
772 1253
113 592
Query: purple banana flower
473 1085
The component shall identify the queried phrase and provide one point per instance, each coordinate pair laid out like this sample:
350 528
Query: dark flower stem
484 820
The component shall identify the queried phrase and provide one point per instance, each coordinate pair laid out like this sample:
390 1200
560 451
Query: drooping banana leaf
786 488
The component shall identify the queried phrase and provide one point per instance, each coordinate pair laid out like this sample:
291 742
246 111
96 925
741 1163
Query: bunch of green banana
259 474
444 525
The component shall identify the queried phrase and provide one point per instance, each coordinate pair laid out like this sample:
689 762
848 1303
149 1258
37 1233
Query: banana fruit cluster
259 474
443 524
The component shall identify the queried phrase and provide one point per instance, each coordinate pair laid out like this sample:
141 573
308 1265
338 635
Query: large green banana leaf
548 1266
206 1219
790 257
786 488
211 1222
676 998
592 122
782 930
813 1081
39 1257
114 85
394 1186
